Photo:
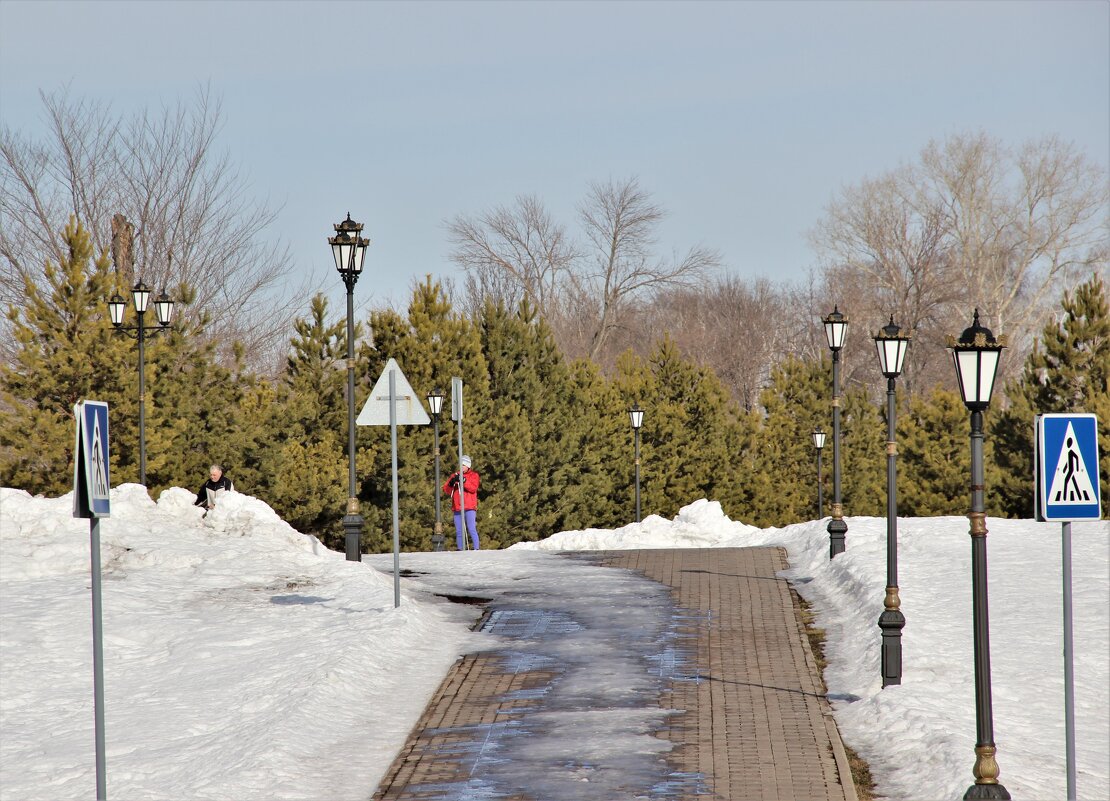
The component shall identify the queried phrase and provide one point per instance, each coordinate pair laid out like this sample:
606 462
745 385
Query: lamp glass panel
435 403
360 252
115 310
163 307
637 417
834 333
987 368
903 346
967 369
141 296
819 439
337 254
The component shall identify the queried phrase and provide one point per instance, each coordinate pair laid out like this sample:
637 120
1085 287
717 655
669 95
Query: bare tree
620 221
158 174
972 224
586 292
512 253
732 325
1020 224
884 256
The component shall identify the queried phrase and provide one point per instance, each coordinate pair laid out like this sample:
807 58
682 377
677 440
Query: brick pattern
753 724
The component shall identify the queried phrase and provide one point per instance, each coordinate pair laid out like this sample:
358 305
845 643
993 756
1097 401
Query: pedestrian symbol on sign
1071 483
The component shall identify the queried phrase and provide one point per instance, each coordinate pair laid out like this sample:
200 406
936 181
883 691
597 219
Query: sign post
91 499
393 402
1066 468
457 415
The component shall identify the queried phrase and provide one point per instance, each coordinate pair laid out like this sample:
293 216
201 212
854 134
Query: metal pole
437 533
393 468
986 767
142 402
1069 666
891 621
837 528
636 438
98 661
462 495
352 522
820 488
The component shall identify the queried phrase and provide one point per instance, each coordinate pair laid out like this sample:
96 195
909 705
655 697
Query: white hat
466 461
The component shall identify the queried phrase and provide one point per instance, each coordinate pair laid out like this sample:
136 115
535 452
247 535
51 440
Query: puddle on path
538 752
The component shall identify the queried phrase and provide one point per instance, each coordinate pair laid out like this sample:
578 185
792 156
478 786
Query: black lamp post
836 326
163 310
435 403
819 444
636 417
891 345
975 355
348 248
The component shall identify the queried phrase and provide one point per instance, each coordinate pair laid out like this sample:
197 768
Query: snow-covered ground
245 661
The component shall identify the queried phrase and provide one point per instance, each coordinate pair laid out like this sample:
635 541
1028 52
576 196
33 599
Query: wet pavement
726 703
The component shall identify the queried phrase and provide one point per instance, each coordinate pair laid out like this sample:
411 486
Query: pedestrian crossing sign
1067 468
91 484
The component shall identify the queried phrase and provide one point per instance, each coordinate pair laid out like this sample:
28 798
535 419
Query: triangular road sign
1071 483
410 411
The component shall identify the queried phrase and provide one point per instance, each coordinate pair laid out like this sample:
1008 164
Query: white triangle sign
1071 483
410 411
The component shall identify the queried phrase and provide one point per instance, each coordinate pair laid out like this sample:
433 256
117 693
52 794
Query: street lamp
891 345
636 417
435 403
163 310
975 356
819 443
348 249
836 326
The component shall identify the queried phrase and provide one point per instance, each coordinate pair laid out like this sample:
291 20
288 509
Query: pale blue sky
742 118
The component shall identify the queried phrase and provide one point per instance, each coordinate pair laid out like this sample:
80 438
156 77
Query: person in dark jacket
465 504
216 481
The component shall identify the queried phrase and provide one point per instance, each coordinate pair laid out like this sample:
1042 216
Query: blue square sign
1067 468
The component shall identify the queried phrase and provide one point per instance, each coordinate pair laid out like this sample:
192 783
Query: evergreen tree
863 454
302 432
783 478
934 455
64 353
431 345
1067 371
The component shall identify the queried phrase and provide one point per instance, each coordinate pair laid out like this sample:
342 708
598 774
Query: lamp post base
891 622
986 787
987 792
837 528
437 537
352 528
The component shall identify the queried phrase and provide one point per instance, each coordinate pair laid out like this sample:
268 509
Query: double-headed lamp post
348 249
891 345
636 417
163 310
975 355
819 443
836 326
435 404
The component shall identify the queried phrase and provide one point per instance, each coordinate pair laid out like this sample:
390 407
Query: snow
243 660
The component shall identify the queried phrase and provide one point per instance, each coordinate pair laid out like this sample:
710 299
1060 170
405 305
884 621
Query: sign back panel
91 482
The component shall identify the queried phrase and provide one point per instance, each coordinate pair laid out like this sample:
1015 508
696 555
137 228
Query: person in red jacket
469 500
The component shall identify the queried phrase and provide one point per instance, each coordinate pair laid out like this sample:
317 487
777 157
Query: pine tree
64 353
783 478
1067 371
934 455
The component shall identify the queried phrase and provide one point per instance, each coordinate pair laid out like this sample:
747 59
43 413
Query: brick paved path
751 726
